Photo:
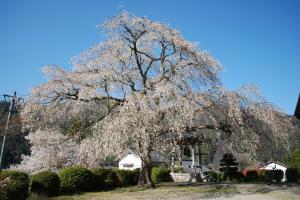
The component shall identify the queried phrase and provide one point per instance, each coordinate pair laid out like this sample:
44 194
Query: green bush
161 174
270 176
75 179
277 175
293 160
263 176
238 176
46 183
211 176
105 178
251 176
292 175
14 185
127 177
178 169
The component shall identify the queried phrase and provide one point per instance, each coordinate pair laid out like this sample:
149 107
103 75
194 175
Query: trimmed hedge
14 185
161 174
105 178
239 176
251 176
127 177
46 183
292 175
76 179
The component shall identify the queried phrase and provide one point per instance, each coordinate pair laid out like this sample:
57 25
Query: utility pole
12 102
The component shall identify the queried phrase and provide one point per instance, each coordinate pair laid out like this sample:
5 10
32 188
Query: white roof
274 166
131 158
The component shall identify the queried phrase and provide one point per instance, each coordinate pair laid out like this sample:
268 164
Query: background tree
16 144
228 165
293 160
145 88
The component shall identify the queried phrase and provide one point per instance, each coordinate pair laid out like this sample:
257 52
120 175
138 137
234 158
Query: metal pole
6 128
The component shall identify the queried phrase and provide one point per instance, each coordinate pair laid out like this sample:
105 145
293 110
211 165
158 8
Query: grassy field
193 192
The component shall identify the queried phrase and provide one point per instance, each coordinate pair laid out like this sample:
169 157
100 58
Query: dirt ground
193 192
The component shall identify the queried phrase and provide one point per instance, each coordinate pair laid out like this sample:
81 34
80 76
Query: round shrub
105 178
14 185
161 174
292 175
278 175
46 183
127 177
75 179
251 176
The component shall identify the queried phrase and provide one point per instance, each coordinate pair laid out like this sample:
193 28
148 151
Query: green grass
173 191
160 192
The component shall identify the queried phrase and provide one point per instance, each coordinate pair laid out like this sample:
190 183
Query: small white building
132 161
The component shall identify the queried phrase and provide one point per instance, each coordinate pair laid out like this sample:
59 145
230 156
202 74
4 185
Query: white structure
130 162
133 161
274 166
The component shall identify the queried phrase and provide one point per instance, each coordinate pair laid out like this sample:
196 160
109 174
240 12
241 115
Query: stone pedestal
183 177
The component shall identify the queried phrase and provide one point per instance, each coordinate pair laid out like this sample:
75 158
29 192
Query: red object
259 171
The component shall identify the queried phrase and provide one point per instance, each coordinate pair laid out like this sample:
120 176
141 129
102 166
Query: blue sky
257 41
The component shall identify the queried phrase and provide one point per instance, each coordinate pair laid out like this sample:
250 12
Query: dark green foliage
271 176
228 166
277 175
46 183
238 176
77 127
292 175
75 179
265 176
161 174
15 187
211 176
251 176
105 178
127 177
293 160
110 161
16 144
268 176
177 169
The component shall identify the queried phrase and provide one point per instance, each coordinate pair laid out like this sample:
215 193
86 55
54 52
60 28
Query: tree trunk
145 174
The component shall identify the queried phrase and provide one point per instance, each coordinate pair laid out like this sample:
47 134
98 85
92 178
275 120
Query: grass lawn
186 192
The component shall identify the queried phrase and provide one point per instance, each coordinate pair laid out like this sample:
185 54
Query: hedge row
264 175
15 185
79 179
292 175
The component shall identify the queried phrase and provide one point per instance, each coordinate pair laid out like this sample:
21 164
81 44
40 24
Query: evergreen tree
228 166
